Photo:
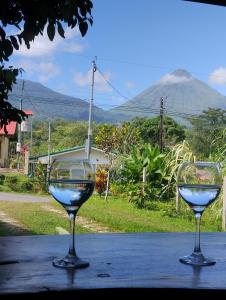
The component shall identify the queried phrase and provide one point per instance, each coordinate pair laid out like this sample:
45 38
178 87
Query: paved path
23 197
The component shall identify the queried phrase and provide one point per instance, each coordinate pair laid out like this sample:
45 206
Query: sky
135 44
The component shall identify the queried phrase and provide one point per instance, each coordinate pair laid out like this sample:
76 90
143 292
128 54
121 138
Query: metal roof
65 151
10 128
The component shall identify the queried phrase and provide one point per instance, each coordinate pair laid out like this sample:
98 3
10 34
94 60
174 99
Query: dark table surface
118 262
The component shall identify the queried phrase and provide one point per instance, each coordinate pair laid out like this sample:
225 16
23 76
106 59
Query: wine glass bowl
71 183
199 184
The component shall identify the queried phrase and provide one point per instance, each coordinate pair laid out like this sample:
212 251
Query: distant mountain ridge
184 97
46 103
183 94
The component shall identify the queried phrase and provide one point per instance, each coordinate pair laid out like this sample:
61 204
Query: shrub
2 178
141 196
40 178
18 183
117 189
12 182
4 188
26 185
101 181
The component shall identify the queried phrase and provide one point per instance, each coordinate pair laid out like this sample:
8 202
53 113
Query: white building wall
4 151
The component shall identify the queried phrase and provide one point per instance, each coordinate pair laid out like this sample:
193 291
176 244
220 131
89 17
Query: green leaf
83 27
14 42
90 21
60 29
2 33
51 31
8 48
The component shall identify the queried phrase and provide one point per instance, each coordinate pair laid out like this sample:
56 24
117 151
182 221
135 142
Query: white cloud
42 46
129 84
72 47
85 79
172 79
218 76
43 70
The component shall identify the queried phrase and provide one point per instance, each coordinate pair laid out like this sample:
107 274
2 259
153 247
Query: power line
111 85
129 108
18 146
115 107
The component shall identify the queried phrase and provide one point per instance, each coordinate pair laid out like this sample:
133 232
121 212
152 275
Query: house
98 157
5 139
4 143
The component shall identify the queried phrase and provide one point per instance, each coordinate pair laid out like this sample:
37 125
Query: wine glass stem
71 251
197 248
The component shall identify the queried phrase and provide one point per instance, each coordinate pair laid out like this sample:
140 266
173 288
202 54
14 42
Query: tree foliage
207 134
150 130
30 18
118 139
64 135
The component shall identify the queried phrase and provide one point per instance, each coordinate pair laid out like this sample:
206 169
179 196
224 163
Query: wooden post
26 163
177 200
224 205
144 179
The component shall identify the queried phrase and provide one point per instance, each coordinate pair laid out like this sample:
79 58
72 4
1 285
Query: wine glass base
70 263
197 259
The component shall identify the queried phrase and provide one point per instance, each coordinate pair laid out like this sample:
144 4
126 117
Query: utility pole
31 139
161 129
49 147
18 146
161 133
89 138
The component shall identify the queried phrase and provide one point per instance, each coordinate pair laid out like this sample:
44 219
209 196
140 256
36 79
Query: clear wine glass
199 184
71 183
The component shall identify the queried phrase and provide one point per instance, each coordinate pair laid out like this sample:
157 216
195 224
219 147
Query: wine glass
199 184
71 183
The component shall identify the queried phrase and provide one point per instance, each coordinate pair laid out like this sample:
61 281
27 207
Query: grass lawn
117 214
121 215
35 219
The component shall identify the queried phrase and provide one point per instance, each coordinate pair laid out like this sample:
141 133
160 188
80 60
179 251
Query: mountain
46 103
183 94
184 97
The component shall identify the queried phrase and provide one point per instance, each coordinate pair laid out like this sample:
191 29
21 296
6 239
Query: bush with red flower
101 181
40 176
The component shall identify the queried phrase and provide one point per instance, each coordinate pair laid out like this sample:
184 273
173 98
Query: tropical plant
40 176
146 169
101 181
175 157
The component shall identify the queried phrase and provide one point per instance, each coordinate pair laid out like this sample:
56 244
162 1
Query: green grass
35 219
117 214
121 215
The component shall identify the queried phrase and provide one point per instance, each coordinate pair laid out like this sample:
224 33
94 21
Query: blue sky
136 43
